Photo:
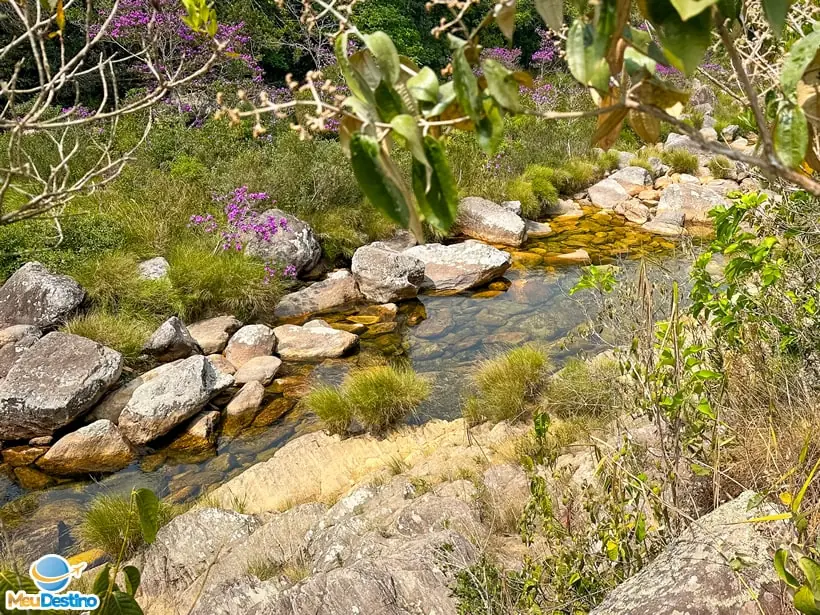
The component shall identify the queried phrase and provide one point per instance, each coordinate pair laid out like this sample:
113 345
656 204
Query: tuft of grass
583 388
720 167
111 523
506 385
680 160
377 397
382 396
124 332
608 160
541 179
331 407
577 174
696 119
519 189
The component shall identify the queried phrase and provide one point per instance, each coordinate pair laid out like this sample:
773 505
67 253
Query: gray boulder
608 194
730 132
153 269
314 341
338 289
171 341
173 396
258 369
633 210
98 447
482 219
34 296
460 266
294 245
15 333
667 223
693 200
537 230
53 383
678 141
384 275
213 334
11 352
632 179
249 342
513 206
694 574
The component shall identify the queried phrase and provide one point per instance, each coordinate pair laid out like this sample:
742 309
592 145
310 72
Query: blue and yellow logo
52 574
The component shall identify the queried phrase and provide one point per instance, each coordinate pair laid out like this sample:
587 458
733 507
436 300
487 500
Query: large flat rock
460 266
98 447
213 334
53 383
35 296
314 341
482 219
694 201
385 275
338 289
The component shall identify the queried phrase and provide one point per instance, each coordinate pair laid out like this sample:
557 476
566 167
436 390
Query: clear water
440 336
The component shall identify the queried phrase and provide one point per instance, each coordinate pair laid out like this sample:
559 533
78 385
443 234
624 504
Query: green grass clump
576 175
542 181
583 388
679 160
377 398
124 332
505 385
720 167
111 523
608 160
519 189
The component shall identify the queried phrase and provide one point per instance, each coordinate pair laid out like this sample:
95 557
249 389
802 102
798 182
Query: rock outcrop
294 244
173 396
337 290
35 296
384 275
171 341
694 201
459 266
98 447
482 219
314 341
54 383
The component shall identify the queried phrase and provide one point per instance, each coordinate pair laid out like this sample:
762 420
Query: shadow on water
440 336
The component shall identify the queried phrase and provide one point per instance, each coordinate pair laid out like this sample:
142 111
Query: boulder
730 132
98 447
633 210
111 406
679 141
608 194
708 133
693 200
460 266
34 296
15 333
258 369
10 353
723 186
221 364
295 244
199 433
53 383
693 575
513 206
314 341
565 207
24 455
249 342
401 240
171 341
173 396
482 219
245 404
625 159
153 269
537 230
668 223
632 179
384 275
338 289
212 335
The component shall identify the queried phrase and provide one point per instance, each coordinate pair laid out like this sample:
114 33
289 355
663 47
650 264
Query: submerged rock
384 275
213 334
244 406
54 383
171 341
459 266
295 244
98 447
338 289
249 342
35 296
482 219
176 394
313 341
199 433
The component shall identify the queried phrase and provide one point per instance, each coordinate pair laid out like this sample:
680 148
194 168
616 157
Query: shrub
519 189
382 396
720 167
377 398
680 160
582 388
576 175
506 385
696 119
112 524
122 331
331 407
608 160
541 179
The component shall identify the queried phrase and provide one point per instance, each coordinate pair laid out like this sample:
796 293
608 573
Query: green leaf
685 42
388 102
367 68
812 571
804 601
120 603
689 8
375 182
387 58
446 97
490 128
640 527
802 493
636 62
505 17
438 197
466 85
148 510
552 12
408 129
357 84
799 58
424 85
102 581
586 59
775 11
501 85
781 558
791 135
132 579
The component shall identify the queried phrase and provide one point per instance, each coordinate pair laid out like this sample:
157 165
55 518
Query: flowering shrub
546 52
242 224
508 57
543 95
